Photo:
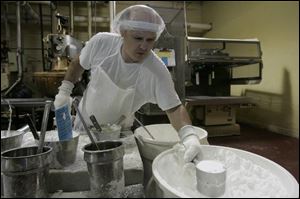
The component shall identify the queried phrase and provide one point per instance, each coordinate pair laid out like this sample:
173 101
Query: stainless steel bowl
64 152
25 172
11 139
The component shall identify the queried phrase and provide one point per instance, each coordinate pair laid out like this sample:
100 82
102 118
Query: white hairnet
138 17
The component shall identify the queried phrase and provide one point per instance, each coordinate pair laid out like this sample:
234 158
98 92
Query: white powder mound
107 128
111 128
244 177
210 166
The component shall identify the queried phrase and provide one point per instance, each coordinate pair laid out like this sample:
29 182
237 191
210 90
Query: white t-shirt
154 84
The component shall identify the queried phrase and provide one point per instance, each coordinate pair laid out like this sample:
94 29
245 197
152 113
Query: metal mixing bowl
11 139
64 152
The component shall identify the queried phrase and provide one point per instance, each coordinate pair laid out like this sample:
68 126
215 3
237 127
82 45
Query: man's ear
123 33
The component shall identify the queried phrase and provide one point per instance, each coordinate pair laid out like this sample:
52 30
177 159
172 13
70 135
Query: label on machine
167 56
64 123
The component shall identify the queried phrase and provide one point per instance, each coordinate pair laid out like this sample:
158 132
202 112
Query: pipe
96 19
112 12
53 7
31 12
47 19
42 35
30 102
6 25
95 13
19 46
89 6
51 18
71 18
203 27
44 126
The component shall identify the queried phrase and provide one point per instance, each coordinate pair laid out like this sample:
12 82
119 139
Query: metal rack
33 103
213 65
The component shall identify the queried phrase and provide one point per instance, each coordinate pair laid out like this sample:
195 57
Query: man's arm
72 75
74 71
181 121
178 117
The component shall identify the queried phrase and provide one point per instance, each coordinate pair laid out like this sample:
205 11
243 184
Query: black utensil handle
31 126
95 123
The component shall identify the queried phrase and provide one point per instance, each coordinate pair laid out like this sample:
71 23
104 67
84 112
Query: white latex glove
191 143
63 96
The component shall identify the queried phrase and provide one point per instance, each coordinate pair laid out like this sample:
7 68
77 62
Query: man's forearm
179 117
74 71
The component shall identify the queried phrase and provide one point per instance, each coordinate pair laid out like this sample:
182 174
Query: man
126 74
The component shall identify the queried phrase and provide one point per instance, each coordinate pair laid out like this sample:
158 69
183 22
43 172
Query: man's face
137 45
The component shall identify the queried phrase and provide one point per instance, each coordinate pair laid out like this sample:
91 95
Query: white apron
106 100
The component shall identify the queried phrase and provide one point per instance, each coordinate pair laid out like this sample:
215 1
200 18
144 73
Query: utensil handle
140 123
95 123
75 103
44 126
32 126
120 120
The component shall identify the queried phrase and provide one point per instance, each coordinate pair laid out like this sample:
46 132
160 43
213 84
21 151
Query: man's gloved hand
63 96
191 143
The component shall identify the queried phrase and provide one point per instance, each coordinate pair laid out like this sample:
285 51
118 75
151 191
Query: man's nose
144 45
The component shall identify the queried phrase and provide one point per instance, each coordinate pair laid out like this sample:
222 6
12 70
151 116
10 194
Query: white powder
210 166
112 189
134 191
107 128
244 177
132 160
111 128
28 140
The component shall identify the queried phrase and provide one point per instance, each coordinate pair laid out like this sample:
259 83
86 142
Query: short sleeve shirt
151 77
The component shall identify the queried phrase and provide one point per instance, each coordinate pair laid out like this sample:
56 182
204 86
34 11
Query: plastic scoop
75 104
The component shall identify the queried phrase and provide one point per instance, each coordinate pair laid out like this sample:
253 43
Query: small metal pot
64 152
105 168
25 172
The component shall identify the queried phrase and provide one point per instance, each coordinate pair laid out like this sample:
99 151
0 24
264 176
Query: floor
283 150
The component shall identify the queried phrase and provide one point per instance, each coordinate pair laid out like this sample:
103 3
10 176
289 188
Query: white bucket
248 175
165 138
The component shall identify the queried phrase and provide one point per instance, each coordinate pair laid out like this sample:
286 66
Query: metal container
105 167
64 152
25 172
11 139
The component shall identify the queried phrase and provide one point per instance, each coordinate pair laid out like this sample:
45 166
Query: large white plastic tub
248 175
165 138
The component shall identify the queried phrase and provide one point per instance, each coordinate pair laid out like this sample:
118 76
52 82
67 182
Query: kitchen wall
276 25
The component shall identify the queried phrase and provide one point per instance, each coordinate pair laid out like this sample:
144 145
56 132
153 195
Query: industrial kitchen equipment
203 71
61 48
213 65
